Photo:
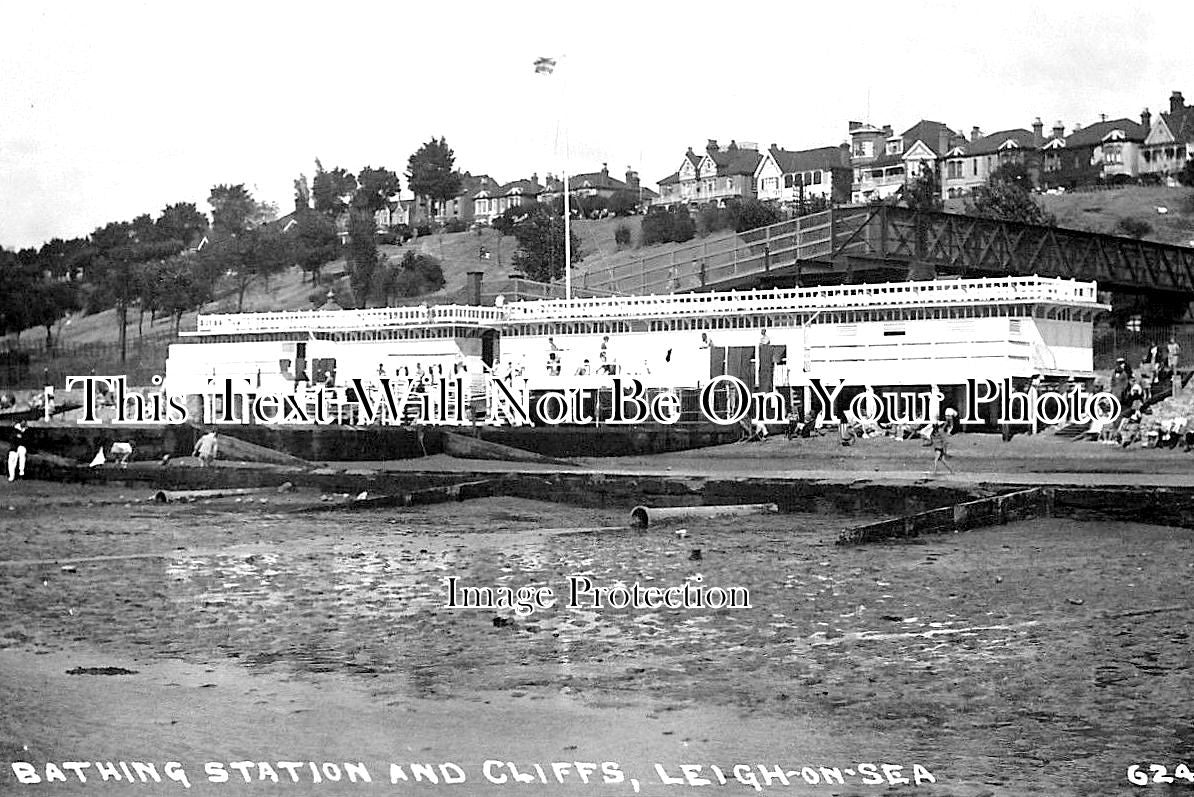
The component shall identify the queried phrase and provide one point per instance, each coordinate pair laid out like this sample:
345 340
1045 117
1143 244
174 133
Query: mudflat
1040 657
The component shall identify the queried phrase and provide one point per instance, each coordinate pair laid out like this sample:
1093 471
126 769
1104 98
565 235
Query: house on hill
792 177
1093 154
492 201
968 164
721 173
1170 140
884 162
598 184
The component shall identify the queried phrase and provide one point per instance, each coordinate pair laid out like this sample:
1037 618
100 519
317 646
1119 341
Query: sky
110 110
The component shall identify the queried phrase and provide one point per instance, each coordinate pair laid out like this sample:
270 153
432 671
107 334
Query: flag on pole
544 66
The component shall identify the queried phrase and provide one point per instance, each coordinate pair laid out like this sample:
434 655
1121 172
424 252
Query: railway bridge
879 243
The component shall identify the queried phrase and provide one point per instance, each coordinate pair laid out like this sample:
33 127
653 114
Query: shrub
1134 228
1186 175
455 224
667 226
754 214
423 229
656 227
623 203
711 218
622 235
684 228
416 275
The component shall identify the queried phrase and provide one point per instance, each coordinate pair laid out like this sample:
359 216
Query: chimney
1077 126
975 133
844 151
1146 120
605 170
472 288
711 146
887 131
1058 130
631 178
942 141
733 147
1176 102
1038 131
854 126
535 177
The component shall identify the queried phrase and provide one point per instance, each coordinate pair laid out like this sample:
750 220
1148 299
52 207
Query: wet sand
1036 658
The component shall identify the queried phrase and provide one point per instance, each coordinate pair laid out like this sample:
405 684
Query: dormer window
1009 144
895 147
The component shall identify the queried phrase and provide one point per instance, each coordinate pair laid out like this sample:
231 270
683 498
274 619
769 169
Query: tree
317 242
375 189
116 265
430 173
1007 197
540 238
233 209
244 245
363 258
181 222
331 191
181 285
923 192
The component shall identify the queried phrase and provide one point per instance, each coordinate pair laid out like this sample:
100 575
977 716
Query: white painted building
904 334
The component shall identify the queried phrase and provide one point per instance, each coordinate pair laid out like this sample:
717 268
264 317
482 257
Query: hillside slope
1103 211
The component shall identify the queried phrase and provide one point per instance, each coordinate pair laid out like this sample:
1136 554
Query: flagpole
547 66
567 226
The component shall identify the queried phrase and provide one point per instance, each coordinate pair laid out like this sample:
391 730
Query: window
816 181
953 170
788 183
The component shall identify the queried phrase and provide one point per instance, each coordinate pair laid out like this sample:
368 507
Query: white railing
349 320
938 293
882 295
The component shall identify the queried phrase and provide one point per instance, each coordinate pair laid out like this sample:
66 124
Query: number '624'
1160 774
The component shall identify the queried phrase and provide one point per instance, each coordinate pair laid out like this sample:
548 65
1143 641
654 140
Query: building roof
1094 134
1181 124
523 187
989 145
929 133
735 160
807 160
671 179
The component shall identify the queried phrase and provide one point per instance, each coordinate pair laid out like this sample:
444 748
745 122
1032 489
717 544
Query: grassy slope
1102 211
288 291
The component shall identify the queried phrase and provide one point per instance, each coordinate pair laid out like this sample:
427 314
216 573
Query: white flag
544 66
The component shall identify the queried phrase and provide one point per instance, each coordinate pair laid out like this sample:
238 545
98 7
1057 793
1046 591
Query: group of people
1158 369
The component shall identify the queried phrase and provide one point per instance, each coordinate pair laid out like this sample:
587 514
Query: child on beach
940 448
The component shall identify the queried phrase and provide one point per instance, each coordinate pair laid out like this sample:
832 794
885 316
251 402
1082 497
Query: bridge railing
724 259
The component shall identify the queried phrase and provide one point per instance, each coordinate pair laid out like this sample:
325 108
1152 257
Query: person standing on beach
207 448
940 448
18 452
